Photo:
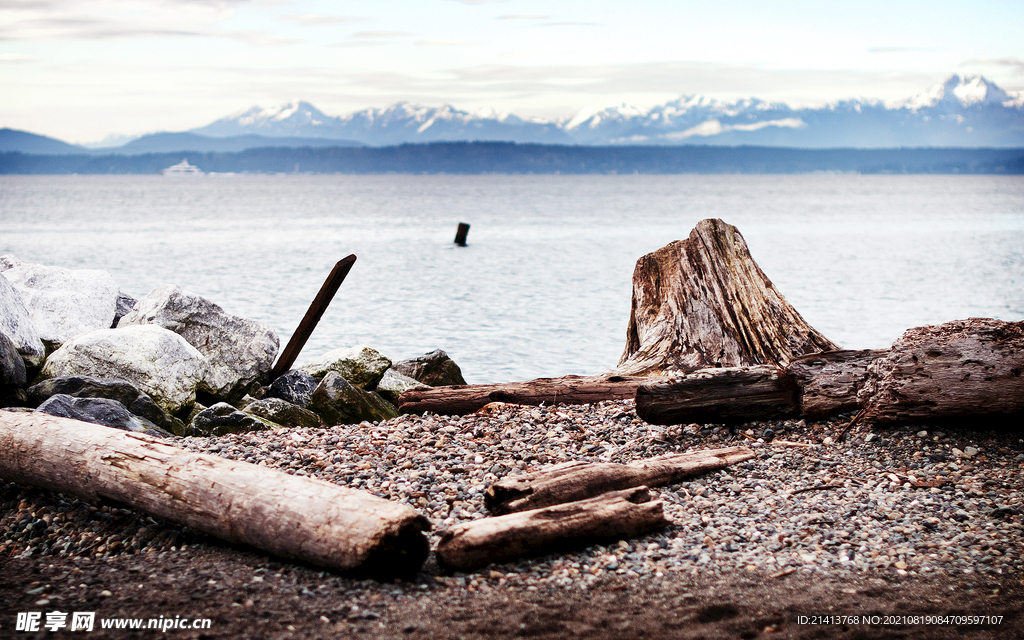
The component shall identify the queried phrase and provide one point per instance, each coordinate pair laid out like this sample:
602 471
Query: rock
434 369
338 402
394 384
125 303
12 367
283 413
12 373
64 303
361 366
135 401
239 350
222 418
17 324
293 386
156 361
970 452
109 413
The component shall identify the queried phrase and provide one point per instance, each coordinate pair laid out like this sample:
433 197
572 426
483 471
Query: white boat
183 168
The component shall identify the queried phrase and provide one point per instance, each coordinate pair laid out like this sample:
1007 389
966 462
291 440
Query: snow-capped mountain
397 124
962 111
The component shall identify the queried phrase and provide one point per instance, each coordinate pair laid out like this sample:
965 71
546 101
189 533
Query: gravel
909 501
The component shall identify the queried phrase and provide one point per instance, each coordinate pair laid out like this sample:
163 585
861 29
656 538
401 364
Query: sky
81 70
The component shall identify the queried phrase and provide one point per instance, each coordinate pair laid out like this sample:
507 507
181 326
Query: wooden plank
313 314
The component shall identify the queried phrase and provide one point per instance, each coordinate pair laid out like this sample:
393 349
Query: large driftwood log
290 516
829 382
572 481
611 516
967 368
729 395
703 302
463 399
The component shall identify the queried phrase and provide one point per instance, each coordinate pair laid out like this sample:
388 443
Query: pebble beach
908 501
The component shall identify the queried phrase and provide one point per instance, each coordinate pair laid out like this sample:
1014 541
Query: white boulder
239 350
155 360
17 325
63 303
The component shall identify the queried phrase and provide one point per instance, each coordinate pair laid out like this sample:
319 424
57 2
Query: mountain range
962 111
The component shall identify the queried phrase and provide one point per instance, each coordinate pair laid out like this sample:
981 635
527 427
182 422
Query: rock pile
73 345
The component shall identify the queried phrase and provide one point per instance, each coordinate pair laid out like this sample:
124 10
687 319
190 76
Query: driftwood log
813 387
730 395
290 516
970 368
611 516
571 481
829 382
703 302
462 399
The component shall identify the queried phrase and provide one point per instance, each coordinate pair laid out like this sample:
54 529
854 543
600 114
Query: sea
543 287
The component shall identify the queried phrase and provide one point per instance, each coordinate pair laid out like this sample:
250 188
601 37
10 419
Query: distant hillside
470 158
25 142
167 142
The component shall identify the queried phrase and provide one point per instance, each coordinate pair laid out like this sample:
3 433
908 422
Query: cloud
446 43
899 49
1014 63
714 127
377 35
16 57
523 16
315 20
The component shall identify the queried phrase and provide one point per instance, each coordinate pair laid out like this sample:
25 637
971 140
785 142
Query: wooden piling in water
460 235
313 315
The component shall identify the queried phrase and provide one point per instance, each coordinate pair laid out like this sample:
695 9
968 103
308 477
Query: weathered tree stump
970 368
572 481
730 395
703 302
460 400
290 516
611 516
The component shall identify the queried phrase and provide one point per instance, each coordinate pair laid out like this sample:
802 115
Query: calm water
543 289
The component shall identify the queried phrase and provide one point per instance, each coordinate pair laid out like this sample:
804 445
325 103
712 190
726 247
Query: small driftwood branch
611 516
290 516
572 481
462 399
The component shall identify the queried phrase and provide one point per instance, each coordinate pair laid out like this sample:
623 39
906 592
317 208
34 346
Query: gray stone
222 418
394 384
64 303
16 322
361 366
283 413
239 350
136 401
104 411
156 361
434 369
338 402
12 373
293 386
12 367
125 303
